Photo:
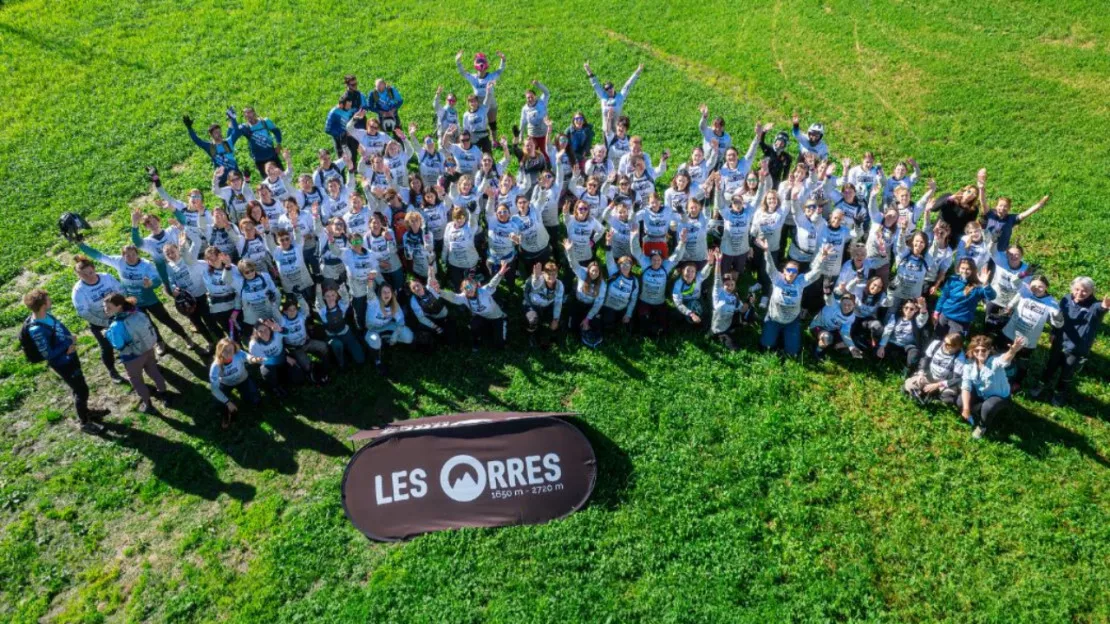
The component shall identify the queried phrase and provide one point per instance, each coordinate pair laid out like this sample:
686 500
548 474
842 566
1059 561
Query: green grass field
731 487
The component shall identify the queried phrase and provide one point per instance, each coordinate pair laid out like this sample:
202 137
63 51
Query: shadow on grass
614 468
177 464
1036 435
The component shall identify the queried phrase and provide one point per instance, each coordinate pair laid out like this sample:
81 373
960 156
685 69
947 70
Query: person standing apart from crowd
219 149
335 126
263 137
612 102
386 101
480 79
57 346
814 140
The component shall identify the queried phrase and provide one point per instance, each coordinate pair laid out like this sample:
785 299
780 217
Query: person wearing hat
480 80
335 125
813 141
219 149
779 161
58 348
612 102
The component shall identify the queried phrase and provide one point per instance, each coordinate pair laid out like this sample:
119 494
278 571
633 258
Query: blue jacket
336 124
53 339
263 138
960 307
1081 322
387 100
222 154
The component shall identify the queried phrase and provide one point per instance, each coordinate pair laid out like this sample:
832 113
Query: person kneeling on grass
229 371
727 304
267 348
58 348
385 324
543 302
833 327
940 372
985 389
487 320
905 332
298 344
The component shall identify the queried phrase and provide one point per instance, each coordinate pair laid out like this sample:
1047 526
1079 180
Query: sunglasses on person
580 118
791 271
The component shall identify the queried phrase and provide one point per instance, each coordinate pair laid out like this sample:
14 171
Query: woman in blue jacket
960 297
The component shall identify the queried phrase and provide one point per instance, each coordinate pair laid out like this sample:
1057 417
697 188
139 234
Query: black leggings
482 328
159 311
107 353
203 322
71 374
984 411
1066 363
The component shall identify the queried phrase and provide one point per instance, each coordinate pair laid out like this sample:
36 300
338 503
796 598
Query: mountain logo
467 487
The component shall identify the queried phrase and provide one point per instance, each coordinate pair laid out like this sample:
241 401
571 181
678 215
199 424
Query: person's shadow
177 464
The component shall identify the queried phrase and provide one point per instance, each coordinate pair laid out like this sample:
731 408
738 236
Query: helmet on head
70 225
818 128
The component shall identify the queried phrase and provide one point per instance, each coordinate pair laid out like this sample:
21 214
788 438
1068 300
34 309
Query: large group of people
394 237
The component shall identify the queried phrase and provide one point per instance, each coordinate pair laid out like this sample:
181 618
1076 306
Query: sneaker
160 349
116 379
978 433
763 302
148 408
92 428
97 415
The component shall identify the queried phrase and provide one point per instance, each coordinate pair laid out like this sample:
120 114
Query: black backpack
27 342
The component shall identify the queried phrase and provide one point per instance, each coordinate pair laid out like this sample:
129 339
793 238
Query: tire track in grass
699 72
870 72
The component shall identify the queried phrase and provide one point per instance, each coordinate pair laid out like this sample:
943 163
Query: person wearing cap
447 115
779 160
532 116
715 133
58 348
785 304
612 102
480 80
386 101
813 141
335 126
263 137
220 150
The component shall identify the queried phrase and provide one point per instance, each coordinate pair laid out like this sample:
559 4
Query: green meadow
732 487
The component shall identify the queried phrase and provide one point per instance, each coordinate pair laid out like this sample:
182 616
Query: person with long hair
258 298
941 370
132 335
905 332
431 318
385 324
963 206
299 344
543 303
186 281
589 295
267 349
228 372
960 297
985 388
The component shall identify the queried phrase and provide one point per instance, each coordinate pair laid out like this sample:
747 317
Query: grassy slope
732 487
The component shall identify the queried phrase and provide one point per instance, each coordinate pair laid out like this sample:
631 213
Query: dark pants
248 389
221 322
652 318
349 142
70 372
494 330
107 353
734 263
984 411
791 334
274 375
727 339
159 311
867 332
203 322
913 354
261 164
1065 363
947 326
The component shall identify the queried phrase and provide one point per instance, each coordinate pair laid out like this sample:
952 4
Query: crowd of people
394 238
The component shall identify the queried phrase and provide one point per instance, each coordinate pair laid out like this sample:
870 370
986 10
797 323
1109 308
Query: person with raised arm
612 101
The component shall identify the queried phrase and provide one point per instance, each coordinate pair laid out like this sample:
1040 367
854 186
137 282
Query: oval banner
467 470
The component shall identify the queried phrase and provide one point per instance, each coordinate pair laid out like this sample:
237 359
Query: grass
732 487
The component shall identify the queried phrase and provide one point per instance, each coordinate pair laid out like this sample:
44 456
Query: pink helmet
480 62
